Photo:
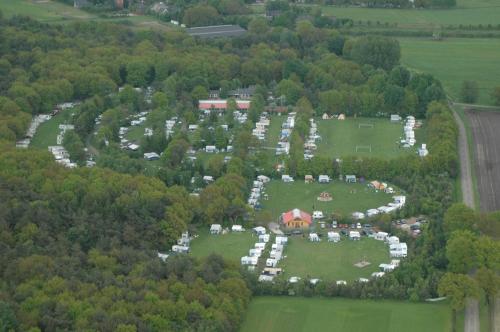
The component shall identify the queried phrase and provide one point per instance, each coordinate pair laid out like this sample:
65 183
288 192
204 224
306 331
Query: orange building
296 219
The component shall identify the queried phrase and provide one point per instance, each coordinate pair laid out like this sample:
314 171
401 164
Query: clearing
288 314
46 134
347 197
333 261
231 246
357 136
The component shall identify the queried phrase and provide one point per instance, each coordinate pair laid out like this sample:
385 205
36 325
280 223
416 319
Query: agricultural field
347 198
484 127
231 246
467 12
469 59
46 134
359 136
333 261
301 314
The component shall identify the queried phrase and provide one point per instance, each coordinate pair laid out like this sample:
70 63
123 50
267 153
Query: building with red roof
221 104
296 219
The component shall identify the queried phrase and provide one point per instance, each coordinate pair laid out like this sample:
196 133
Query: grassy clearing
467 12
231 246
288 314
333 261
47 132
340 138
347 198
469 59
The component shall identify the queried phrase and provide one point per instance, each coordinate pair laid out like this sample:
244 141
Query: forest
79 246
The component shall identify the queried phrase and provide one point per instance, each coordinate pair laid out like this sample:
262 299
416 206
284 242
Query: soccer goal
365 125
363 148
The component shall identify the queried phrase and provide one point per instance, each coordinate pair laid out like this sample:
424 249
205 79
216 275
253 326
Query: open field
231 246
347 198
49 11
47 132
333 261
454 60
484 127
340 138
276 314
467 12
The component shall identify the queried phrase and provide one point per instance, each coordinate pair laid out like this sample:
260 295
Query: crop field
46 134
333 261
484 127
347 198
454 60
362 137
276 314
467 12
231 246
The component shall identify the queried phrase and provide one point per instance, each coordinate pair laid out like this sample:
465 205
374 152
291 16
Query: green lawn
347 198
340 138
46 134
276 314
333 261
231 246
467 12
455 60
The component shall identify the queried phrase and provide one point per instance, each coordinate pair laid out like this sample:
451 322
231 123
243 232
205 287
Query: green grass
231 246
286 196
467 12
454 60
333 261
276 314
340 138
46 134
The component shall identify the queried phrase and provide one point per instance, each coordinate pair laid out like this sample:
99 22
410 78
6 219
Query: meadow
454 60
340 138
347 198
288 314
231 246
333 261
46 134
467 12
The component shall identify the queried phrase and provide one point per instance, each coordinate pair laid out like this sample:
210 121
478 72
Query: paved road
471 319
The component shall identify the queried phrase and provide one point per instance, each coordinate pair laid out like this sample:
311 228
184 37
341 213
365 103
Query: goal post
363 148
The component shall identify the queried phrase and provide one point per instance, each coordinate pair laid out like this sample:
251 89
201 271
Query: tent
350 178
354 235
313 237
215 229
237 228
308 178
333 237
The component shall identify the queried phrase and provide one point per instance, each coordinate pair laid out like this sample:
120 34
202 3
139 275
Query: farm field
484 127
276 314
340 138
467 12
347 198
333 261
466 59
46 134
231 246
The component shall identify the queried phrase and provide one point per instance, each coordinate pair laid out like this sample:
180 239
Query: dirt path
471 319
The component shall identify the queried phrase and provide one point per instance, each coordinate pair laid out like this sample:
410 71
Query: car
353 226
358 225
334 224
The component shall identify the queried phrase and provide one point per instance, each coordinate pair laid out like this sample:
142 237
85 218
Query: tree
200 15
462 252
258 26
459 217
469 92
496 95
457 287
380 52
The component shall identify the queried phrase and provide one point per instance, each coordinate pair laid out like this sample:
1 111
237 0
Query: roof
222 104
216 31
296 214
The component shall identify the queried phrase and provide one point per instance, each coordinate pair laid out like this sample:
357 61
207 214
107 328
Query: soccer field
347 198
276 314
231 246
333 261
367 137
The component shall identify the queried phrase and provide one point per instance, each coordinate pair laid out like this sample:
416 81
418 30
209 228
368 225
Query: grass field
47 132
333 261
276 314
231 246
466 59
286 196
467 12
340 138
